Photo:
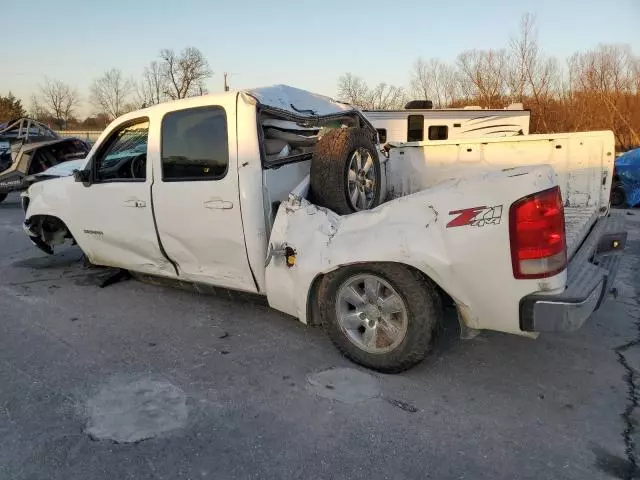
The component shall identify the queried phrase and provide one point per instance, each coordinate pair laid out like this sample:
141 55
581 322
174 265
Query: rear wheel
3 196
381 316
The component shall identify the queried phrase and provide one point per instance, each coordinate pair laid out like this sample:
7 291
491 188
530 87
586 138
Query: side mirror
83 176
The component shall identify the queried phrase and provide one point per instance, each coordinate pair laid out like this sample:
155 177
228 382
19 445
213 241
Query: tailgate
578 222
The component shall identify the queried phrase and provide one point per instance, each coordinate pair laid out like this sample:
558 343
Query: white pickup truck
287 194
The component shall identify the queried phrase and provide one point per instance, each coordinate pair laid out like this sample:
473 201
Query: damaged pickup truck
28 147
288 194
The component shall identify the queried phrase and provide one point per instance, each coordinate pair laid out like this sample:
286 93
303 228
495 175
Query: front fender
47 199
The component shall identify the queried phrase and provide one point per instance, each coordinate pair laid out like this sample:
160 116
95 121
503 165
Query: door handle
218 203
135 203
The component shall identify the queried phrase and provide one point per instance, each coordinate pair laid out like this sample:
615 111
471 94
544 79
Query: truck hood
64 169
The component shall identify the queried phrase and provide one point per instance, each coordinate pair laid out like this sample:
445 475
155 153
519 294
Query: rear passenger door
196 197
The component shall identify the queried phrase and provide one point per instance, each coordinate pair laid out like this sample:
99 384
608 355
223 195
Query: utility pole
226 85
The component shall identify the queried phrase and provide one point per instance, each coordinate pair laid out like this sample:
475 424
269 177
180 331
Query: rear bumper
590 276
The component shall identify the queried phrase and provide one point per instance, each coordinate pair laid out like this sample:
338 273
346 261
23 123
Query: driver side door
113 212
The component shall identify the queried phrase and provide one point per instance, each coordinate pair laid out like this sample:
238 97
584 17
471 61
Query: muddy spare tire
345 171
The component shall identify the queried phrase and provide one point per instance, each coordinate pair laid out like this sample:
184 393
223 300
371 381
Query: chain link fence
89 136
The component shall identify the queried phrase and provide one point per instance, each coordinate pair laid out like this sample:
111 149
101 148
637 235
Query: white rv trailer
416 125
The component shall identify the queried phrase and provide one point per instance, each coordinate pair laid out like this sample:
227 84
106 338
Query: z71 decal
476 217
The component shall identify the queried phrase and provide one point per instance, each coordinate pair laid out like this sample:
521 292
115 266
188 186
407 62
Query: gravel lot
148 382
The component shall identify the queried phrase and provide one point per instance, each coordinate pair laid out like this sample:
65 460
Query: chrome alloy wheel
371 313
361 181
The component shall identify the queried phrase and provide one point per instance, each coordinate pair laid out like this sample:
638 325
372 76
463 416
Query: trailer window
382 134
438 132
415 128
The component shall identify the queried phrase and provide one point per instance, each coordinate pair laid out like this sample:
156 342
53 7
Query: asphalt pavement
140 381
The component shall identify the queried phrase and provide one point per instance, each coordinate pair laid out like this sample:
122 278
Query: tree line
597 89
594 89
172 76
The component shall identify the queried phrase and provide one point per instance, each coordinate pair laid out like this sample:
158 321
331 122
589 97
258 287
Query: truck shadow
11 202
10 205
66 258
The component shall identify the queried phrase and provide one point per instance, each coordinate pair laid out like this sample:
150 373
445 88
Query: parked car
625 191
285 193
28 147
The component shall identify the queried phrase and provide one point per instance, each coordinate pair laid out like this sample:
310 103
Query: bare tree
607 68
483 75
434 80
386 97
36 110
151 89
605 80
353 89
110 93
529 74
57 100
185 74
635 74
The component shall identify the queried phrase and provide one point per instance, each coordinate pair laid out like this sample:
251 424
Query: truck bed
583 163
578 222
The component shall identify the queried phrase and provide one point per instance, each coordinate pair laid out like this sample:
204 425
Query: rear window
195 144
415 128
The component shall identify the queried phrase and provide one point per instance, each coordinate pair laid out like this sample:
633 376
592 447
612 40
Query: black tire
3 196
618 198
422 300
330 166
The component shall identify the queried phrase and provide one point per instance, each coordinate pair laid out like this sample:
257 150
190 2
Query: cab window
195 145
124 157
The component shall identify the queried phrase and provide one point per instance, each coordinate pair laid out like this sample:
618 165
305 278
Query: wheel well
49 228
313 313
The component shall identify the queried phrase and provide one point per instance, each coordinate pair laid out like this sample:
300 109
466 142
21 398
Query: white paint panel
200 222
112 231
471 263
579 159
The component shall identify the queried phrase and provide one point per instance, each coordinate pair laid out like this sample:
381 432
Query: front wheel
381 316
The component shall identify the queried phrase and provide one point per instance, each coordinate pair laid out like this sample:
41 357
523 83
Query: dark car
28 147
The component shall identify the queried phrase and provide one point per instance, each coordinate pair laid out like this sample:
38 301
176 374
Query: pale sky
300 43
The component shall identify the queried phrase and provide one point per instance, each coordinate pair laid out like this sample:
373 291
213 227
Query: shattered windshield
131 142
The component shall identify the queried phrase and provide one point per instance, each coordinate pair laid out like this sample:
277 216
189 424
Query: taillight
538 240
